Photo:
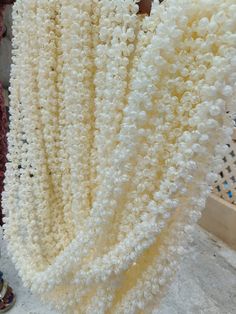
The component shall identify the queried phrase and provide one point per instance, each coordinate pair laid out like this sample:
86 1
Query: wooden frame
219 218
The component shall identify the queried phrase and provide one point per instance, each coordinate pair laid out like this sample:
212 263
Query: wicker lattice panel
225 186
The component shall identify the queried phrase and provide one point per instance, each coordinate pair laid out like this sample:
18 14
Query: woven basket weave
225 186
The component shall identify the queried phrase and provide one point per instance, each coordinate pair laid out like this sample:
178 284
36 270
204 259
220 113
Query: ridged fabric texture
118 129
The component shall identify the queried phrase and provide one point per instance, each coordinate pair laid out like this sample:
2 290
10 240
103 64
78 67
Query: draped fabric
117 132
3 126
3 115
3 143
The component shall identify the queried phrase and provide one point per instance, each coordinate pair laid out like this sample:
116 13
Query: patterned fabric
3 123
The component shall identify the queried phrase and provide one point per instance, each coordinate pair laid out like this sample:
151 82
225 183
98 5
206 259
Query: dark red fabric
4 2
3 125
